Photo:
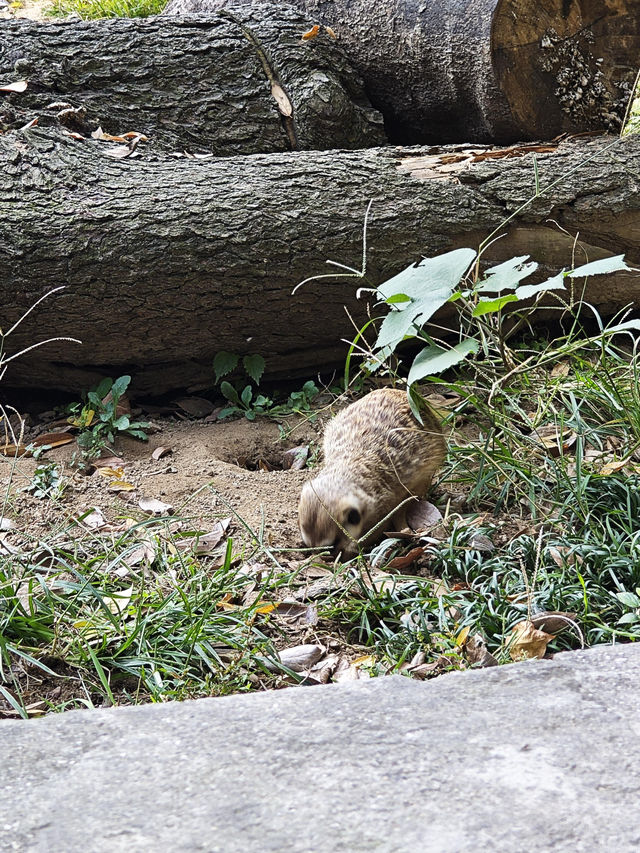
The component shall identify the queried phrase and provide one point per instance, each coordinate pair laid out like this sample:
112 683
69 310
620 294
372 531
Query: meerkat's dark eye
353 517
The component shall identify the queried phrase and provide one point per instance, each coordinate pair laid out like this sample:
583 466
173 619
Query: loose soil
206 476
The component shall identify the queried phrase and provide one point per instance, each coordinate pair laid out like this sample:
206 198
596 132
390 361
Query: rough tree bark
216 85
166 260
482 70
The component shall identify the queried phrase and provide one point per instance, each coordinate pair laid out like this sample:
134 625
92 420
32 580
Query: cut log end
566 65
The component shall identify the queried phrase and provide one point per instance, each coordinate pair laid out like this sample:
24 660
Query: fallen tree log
487 70
216 85
167 261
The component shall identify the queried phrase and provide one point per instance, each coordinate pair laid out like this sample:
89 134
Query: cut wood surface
482 70
168 260
216 85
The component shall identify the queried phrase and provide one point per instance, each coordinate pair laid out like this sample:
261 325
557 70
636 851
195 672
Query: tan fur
376 455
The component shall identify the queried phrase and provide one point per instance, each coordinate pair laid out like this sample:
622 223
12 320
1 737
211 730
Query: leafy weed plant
245 401
102 418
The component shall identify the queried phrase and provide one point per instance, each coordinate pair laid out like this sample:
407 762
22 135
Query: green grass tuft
91 9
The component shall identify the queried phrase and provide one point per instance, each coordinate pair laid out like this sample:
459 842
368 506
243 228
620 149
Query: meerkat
376 455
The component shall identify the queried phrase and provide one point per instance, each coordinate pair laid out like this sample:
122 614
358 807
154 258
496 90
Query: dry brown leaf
311 34
122 151
119 601
480 542
553 621
14 450
53 439
553 441
18 86
613 467
526 641
297 658
225 603
421 515
112 462
564 555
330 32
120 486
145 552
205 544
95 519
296 458
324 669
355 670
98 133
112 473
279 95
560 369
152 506
292 611
196 407
407 560
476 652
161 451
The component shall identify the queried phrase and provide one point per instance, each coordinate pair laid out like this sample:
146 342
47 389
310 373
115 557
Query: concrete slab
540 756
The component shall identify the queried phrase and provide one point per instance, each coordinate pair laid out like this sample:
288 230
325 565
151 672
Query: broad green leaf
254 365
393 329
103 388
435 359
630 599
529 290
120 386
491 306
613 264
230 392
224 363
628 619
398 297
428 285
443 272
247 394
137 433
507 275
230 410
122 423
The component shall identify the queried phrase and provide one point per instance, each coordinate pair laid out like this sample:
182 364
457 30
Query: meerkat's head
333 514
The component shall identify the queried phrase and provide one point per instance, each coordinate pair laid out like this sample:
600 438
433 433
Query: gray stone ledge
539 756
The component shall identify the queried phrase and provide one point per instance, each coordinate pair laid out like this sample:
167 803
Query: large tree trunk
166 262
483 70
216 85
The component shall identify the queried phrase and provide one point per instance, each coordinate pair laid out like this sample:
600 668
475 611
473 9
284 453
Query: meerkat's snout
332 516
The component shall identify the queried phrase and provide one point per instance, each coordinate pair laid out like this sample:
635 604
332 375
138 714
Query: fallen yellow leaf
526 641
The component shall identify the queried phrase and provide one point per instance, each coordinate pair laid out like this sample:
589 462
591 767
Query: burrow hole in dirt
263 456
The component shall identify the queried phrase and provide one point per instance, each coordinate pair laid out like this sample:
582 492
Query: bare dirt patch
213 470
